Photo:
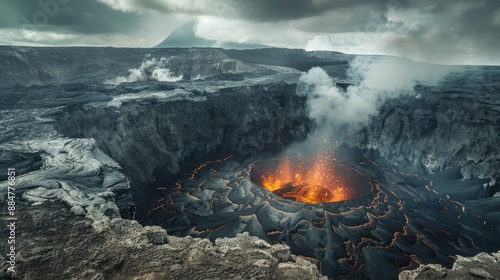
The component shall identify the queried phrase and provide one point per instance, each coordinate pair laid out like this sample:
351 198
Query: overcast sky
444 31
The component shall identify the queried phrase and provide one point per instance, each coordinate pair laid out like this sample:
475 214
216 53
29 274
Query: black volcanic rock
80 144
438 131
177 129
294 58
27 66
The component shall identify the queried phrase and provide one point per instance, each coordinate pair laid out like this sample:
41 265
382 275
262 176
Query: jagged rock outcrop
53 243
481 266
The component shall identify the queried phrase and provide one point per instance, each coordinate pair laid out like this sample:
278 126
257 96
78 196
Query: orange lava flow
312 181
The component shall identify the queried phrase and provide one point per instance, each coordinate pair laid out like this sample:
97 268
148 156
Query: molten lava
311 180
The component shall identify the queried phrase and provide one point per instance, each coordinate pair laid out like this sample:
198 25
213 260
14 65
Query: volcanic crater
319 179
417 183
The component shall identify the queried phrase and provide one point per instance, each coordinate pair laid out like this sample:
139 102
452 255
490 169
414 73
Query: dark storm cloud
352 19
66 16
354 13
277 10
441 31
428 30
433 29
257 10
318 16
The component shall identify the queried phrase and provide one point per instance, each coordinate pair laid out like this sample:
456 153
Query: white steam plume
152 69
375 80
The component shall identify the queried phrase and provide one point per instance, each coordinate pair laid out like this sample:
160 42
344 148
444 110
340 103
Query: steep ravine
420 135
154 136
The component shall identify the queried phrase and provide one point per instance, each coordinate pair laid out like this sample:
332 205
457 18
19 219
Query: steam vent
210 163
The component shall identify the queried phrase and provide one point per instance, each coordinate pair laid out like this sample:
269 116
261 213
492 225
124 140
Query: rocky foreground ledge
56 244
481 266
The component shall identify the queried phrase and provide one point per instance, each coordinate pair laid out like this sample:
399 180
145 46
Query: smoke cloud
152 69
374 81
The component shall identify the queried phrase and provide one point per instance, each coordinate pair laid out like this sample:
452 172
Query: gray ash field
169 138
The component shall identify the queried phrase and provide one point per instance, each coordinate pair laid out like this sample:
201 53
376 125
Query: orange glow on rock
312 180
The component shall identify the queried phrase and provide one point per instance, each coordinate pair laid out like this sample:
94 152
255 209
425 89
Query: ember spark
311 180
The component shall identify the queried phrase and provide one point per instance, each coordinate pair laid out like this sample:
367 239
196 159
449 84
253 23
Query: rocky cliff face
451 127
155 137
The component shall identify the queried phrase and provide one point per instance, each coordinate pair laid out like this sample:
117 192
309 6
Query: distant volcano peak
185 37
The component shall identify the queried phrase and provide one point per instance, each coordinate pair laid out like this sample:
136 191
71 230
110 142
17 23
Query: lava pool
310 180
